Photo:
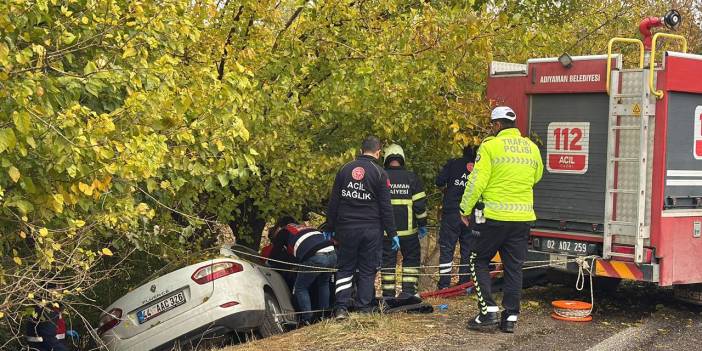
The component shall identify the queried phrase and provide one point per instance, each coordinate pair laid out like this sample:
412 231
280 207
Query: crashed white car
212 299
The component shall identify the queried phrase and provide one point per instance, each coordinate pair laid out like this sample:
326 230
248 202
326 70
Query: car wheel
273 321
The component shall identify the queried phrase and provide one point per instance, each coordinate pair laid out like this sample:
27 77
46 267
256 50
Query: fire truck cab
622 151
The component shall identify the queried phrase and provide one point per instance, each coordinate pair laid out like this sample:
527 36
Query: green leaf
68 38
21 120
14 174
223 179
7 139
90 68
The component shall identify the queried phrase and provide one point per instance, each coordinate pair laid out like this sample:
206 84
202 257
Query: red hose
645 28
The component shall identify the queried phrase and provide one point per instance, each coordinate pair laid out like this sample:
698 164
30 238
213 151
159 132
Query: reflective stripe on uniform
60 336
341 288
409 279
410 271
303 238
343 280
422 215
388 277
506 206
406 232
408 203
445 267
35 339
388 286
419 195
515 160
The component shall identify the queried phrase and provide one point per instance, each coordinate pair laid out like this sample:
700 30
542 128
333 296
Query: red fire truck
622 149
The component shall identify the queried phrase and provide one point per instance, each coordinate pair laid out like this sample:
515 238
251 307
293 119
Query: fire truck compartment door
573 130
683 181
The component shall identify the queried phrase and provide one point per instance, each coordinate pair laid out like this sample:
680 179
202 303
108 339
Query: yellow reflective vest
506 169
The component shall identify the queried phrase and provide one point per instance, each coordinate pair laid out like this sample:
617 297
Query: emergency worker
45 330
310 248
452 179
409 206
359 211
506 169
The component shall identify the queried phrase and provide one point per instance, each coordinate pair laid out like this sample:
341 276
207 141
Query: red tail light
215 271
109 320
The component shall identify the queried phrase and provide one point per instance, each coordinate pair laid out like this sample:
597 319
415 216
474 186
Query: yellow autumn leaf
23 235
2 315
14 174
79 223
85 188
107 252
128 52
56 246
17 260
30 295
43 232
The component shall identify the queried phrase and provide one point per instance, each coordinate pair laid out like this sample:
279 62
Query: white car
214 298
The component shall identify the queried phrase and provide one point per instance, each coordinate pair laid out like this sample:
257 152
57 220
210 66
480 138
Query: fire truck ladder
630 109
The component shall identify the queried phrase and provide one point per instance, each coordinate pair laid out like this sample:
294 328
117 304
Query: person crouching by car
276 254
316 254
45 329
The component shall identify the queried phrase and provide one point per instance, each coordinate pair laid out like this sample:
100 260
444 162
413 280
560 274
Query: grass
369 331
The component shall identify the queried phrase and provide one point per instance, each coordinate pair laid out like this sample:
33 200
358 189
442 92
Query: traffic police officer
506 169
359 211
409 206
452 178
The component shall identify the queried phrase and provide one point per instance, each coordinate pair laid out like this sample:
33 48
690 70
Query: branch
292 19
220 68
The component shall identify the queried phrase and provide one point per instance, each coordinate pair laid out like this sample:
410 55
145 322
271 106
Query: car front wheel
273 321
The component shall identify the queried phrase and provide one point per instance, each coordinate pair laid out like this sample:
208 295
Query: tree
132 126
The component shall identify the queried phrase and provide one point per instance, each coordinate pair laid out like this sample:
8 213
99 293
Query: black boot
483 321
341 314
508 322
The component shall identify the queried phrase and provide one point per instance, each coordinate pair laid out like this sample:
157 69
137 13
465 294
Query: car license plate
161 306
564 246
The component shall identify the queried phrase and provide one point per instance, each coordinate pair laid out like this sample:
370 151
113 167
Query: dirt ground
633 317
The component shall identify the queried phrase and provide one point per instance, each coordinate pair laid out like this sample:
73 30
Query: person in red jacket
316 254
45 330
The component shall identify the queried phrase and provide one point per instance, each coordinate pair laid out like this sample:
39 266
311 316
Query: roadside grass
370 331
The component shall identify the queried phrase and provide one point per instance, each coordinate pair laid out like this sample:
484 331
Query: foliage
137 126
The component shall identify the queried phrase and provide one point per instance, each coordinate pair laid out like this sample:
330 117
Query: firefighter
359 211
452 179
506 169
310 248
409 206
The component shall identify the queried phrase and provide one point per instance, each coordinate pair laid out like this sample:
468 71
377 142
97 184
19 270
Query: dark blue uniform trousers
453 231
360 250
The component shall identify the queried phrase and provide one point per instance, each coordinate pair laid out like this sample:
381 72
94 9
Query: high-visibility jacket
506 169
